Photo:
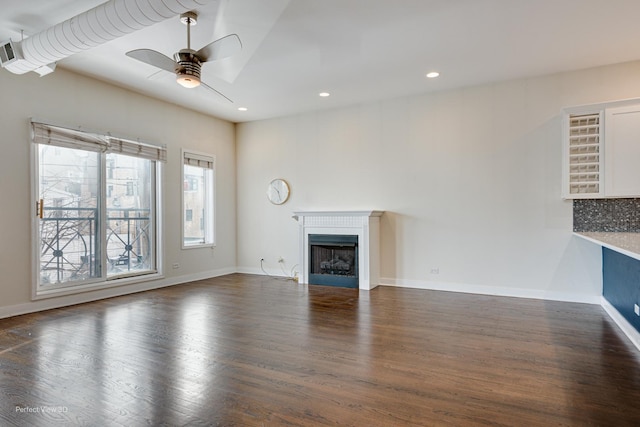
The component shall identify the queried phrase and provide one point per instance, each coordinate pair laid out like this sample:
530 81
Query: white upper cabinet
622 151
601 150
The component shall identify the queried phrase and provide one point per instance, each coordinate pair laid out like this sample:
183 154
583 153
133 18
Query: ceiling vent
8 53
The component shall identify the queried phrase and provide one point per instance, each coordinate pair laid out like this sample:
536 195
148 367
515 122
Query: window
191 182
110 167
97 208
197 200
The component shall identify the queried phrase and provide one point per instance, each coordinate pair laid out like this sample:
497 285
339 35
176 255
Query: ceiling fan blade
220 95
156 75
154 58
221 48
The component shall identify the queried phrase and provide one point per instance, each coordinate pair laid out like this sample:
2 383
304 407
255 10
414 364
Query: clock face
278 191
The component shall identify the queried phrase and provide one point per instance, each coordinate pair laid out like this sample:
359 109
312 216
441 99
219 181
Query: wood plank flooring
245 350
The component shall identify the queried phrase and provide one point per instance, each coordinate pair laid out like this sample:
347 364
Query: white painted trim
491 290
260 272
97 286
34 165
213 194
364 224
51 303
273 273
627 328
103 282
369 213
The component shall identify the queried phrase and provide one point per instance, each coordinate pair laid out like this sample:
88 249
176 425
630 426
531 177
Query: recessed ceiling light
242 108
324 94
433 74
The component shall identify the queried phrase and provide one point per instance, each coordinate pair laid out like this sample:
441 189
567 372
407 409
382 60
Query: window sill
200 246
78 288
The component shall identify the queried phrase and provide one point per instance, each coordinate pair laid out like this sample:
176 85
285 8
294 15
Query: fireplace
343 235
333 260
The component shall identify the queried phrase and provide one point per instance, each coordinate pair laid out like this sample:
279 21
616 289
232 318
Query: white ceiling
358 50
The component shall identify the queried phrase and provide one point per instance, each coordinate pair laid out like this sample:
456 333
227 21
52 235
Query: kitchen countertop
625 243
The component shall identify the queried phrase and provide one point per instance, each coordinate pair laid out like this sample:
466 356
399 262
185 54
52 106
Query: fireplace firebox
333 260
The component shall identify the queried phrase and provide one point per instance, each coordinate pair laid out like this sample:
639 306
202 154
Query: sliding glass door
69 189
96 208
129 215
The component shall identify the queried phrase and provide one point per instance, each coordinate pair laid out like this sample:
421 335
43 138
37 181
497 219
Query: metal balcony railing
128 240
68 245
71 249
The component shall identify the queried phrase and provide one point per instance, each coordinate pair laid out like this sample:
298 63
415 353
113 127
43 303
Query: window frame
104 281
210 198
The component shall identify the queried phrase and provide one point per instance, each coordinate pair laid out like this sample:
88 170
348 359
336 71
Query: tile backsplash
618 215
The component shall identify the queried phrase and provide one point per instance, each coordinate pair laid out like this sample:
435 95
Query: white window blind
43 133
68 138
138 149
198 160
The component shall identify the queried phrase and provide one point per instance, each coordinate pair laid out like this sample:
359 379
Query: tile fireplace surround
364 224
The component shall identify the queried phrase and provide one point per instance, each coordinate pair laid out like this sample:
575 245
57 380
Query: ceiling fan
187 63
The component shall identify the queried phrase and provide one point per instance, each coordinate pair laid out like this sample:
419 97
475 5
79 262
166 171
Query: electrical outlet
636 309
175 265
435 270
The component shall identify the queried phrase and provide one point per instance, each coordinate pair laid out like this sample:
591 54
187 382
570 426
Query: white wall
67 98
469 179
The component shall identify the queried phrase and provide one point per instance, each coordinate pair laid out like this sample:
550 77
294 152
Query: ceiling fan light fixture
188 81
188 69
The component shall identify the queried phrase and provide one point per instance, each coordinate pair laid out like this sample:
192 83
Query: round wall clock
278 191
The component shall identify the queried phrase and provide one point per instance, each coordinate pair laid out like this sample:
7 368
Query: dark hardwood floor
245 350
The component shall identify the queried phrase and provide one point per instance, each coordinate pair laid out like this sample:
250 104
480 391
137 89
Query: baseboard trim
491 290
48 304
89 296
261 272
626 327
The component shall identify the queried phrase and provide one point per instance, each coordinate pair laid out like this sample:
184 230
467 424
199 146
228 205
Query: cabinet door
583 160
622 151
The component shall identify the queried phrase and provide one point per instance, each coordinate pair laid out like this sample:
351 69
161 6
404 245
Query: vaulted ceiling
356 50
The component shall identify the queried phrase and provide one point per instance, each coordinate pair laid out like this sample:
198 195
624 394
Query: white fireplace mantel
364 224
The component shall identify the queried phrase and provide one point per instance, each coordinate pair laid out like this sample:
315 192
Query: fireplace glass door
333 260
